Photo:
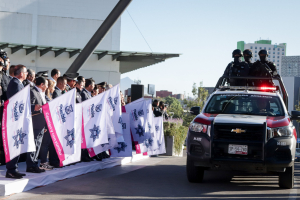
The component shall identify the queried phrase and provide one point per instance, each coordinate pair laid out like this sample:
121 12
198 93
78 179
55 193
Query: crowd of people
44 88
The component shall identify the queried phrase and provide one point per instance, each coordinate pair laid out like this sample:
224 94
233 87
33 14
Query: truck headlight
197 127
280 131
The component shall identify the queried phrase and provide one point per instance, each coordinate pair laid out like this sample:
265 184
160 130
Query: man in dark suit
14 86
30 78
60 87
71 80
37 97
11 72
86 92
79 87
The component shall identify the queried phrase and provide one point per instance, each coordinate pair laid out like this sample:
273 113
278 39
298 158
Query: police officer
237 68
263 68
247 56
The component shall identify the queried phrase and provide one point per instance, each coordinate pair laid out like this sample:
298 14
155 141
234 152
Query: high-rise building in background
276 51
290 66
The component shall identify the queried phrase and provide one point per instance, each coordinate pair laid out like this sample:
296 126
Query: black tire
194 174
286 179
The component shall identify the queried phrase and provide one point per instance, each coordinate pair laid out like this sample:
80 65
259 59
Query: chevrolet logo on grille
238 130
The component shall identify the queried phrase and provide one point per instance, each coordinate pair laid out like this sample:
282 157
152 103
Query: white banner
77 137
95 116
114 103
124 149
60 117
159 138
17 131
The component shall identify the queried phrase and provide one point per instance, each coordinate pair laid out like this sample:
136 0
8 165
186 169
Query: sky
205 33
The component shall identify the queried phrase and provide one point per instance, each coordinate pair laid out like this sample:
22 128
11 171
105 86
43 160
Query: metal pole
98 36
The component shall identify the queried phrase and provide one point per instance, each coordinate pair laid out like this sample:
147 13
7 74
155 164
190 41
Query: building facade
47 34
163 93
276 51
290 66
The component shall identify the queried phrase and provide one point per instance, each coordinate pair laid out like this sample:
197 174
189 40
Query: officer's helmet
237 51
247 51
263 51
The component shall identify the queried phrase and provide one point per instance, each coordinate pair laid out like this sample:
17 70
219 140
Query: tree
174 106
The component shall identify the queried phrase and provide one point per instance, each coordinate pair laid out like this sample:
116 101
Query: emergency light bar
263 88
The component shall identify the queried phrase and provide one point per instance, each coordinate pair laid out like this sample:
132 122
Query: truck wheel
286 179
194 174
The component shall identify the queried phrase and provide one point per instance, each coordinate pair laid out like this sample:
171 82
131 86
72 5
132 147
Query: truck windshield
248 104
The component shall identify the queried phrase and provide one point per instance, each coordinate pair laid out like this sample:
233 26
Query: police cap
263 51
42 74
237 51
247 51
71 76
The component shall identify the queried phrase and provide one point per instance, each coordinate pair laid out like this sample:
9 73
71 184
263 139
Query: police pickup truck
245 129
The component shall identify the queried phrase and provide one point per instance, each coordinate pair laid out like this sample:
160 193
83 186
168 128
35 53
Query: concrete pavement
163 178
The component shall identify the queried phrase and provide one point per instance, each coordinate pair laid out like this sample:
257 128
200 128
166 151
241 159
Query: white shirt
53 80
31 83
42 94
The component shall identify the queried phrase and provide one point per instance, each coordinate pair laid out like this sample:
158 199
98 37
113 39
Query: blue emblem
16 112
19 138
158 144
156 128
95 132
121 147
110 101
141 112
147 110
120 120
69 109
149 126
21 108
148 142
92 111
135 115
116 100
139 130
123 125
70 134
62 114
98 108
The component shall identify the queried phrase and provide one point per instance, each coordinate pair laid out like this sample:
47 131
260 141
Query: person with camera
161 110
236 68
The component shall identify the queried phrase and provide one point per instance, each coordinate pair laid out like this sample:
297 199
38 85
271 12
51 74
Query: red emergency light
268 88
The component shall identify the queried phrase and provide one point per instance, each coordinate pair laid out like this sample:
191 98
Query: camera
3 55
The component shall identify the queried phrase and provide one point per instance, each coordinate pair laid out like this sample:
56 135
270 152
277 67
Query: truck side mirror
195 110
295 115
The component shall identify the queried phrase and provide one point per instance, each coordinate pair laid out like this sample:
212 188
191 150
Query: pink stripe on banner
4 132
56 142
83 142
123 109
137 146
91 152
109 152
145 154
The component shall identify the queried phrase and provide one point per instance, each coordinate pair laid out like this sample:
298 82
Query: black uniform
235 69
263 68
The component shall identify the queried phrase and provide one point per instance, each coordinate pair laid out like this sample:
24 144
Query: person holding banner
38 98
14 86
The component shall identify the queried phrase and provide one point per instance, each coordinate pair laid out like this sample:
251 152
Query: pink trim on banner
109 152
83 142
145 154
91 152
4 132
51 127
137 146
123 109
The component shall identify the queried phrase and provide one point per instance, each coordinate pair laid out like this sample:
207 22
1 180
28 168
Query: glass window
255 59
278 49
251 47
269 48
265 48
248 104
255 56
255 51
277 56
259 47
282 53
273 56
278 53
282 49
277 60
274 52
277 65
274 49
255 47
273 60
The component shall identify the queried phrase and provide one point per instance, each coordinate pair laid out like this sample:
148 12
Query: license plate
238 149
